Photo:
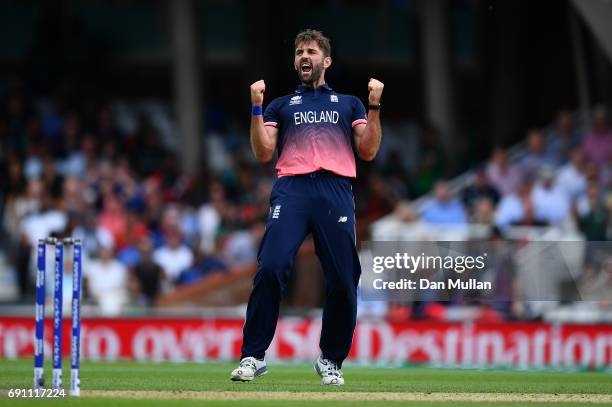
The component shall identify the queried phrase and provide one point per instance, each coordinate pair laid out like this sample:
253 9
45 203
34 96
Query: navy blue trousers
320 203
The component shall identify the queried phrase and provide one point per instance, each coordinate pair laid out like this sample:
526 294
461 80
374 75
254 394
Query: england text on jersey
315 130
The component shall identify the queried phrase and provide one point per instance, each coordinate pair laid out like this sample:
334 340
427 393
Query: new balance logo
342 219
295 100
276 212
333 98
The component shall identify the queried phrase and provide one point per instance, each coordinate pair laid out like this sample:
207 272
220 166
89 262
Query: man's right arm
263 138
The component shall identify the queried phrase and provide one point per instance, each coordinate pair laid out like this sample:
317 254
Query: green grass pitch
176 379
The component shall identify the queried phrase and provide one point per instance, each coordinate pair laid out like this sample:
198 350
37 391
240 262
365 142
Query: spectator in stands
597 143
126 184
136 231
563 139
33 164
479 189
203 265
50 219
20 207
535 158
146 277
74 200
114 218
443 209
209 217
380 199
374 199
241 246
571 178
593 214
171 221
78 160
21 200
484 212
173 256
69 145
551 204
91 234
597 286
505 297
504 176
405 213
106 280
518 208
153 203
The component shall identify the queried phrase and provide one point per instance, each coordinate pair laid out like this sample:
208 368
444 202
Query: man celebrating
314 130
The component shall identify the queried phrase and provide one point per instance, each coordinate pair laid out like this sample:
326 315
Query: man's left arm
368 135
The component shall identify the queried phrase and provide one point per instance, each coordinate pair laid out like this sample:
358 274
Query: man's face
310 62
441 192
500 157
535 142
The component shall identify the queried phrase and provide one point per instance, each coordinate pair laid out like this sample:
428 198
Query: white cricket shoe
329 372
249 369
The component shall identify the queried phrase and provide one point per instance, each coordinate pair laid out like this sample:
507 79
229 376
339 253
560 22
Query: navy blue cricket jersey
315 130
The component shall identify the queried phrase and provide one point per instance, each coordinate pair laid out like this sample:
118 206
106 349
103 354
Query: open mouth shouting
305 68
308 72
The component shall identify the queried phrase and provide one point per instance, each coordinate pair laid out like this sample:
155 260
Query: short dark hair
306 36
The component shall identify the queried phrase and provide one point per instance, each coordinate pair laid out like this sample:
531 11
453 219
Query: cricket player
315 131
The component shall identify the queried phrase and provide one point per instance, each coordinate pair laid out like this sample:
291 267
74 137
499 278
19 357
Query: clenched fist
375 88
257 93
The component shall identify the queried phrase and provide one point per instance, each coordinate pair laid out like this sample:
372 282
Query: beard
311 77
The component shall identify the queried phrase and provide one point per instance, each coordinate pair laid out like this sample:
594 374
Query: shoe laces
248 362
332 368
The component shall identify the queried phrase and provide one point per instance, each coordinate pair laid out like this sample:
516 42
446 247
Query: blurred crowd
560 180
564 176
149 228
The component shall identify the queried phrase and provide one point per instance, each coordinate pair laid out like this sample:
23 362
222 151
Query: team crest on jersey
333 98
296 100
